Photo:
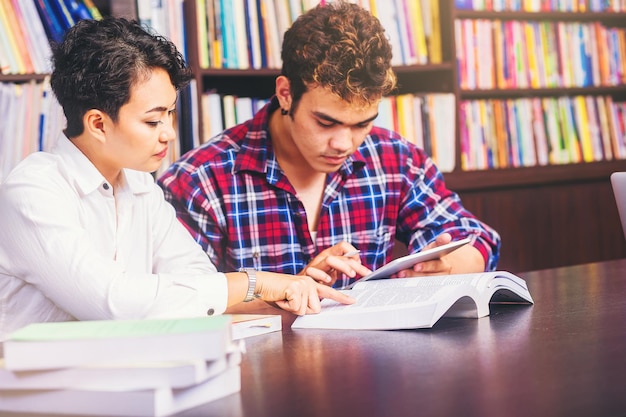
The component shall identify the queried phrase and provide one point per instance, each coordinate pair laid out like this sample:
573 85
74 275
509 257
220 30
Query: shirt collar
86 176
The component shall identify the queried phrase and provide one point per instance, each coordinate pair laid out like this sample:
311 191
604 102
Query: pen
351 253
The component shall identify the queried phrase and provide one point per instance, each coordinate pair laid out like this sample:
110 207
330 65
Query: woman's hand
297 294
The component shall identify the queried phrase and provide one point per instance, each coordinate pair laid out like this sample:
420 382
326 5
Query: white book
212 115
241 37
78 343
243 109
412 303
229 110
273 35
130 376
248 325
114 402
444 106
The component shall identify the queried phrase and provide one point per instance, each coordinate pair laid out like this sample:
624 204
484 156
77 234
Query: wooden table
563 356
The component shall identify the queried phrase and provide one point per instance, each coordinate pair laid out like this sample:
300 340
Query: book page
395 291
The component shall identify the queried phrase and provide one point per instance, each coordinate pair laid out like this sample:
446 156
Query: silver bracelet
251 273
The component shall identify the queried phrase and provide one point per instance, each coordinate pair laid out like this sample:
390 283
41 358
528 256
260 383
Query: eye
325 124
154 124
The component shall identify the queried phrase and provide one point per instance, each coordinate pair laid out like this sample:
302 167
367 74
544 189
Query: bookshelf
534 208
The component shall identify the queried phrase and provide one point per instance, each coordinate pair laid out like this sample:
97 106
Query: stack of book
123 367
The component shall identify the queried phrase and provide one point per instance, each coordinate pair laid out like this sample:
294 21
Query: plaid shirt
233 197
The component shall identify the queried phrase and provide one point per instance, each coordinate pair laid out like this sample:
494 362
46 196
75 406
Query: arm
438 216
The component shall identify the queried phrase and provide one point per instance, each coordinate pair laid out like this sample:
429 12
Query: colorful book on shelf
499 115
63 14
13 35
262 35
413 303
78 10
93 9
593 120
559 153
20 30
568 127
161 401
605 129
217 45
8 64
272 34
581 121
416 27
202 33
434 50
617 131
252 34
53 27
240 25
75 343
539 131
36 39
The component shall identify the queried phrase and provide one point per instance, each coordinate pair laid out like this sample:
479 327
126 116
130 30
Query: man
86 233
309 178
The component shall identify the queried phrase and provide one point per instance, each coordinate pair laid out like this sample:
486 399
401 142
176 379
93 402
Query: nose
341 140
168 133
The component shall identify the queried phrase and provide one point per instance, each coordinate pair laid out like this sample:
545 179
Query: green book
79 343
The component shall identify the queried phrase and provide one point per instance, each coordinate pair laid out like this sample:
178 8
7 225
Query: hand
297 294
466 259
330 263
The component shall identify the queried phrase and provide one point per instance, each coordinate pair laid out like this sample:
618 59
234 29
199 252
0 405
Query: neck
91 149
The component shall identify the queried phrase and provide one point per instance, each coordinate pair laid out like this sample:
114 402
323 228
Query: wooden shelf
508 178
612 17
543 92
17 78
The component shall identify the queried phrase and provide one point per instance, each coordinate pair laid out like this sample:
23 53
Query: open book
419 302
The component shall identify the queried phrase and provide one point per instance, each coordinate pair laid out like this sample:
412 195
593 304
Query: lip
161 154
334 160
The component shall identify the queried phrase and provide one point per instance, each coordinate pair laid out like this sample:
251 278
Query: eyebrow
161 109
339 122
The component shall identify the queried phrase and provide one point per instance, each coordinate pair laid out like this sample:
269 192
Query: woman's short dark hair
100 60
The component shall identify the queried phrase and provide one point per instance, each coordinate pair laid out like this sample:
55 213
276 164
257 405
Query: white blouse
71 250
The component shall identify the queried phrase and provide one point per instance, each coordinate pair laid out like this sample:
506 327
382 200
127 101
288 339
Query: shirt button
210 312
105 186
256 255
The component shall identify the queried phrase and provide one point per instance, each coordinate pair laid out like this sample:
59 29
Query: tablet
408 261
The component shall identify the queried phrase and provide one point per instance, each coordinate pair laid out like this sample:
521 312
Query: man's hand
342 258
466 259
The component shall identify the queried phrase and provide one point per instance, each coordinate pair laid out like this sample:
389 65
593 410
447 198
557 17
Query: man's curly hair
341 47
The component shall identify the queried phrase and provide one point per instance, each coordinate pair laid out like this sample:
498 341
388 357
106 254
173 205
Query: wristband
251 273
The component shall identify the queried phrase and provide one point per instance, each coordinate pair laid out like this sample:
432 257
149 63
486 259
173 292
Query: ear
94 122
283 92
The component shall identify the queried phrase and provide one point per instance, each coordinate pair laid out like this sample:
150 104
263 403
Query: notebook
618 181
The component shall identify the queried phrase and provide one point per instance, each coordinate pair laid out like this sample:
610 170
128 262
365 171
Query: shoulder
39 169
390 145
